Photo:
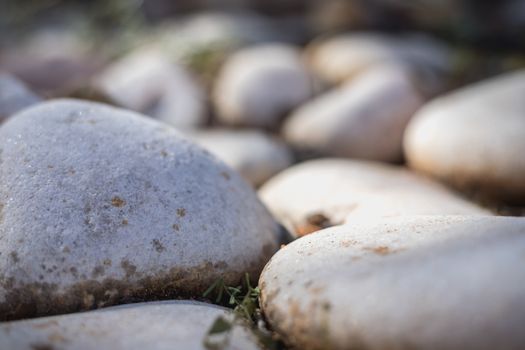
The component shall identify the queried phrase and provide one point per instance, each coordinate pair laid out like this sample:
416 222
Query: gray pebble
101 206
155 325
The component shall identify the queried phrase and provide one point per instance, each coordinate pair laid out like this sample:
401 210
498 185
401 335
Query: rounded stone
342 57
153 325
257 86
14 96
55 60
321 193
147 82
474 138
439 282
254 154
101 206
365 118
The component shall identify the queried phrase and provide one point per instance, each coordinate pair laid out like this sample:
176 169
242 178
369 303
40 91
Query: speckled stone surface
474 138
333 191
164 325
401 283
101 206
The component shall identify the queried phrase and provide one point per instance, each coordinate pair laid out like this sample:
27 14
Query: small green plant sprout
244 299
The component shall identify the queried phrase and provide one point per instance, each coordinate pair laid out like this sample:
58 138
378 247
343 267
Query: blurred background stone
147 82
365 118
14 96
254 154
258 86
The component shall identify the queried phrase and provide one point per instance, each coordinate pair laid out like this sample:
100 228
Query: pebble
14 96
153 325
54 60
340 58
147 82
438 282
474 138
326 192
365 118
257 86
101 206
255 155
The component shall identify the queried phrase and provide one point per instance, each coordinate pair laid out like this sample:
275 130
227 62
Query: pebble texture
327 192
474 138
14 96
401 283
254 154
365 118
102 206
146 81
155 325
258 86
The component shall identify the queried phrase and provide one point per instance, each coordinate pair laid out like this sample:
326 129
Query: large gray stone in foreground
327 192
103 206
474 138
403 283
155 325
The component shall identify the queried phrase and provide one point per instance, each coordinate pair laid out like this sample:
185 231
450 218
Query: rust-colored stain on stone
313 223
380 250
118 202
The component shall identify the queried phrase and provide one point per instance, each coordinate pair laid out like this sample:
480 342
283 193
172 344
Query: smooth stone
438 282
147 82
340 58
326 192
54 60
14 96
255 155
258 85
102 206
474 138
365 118
153 325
